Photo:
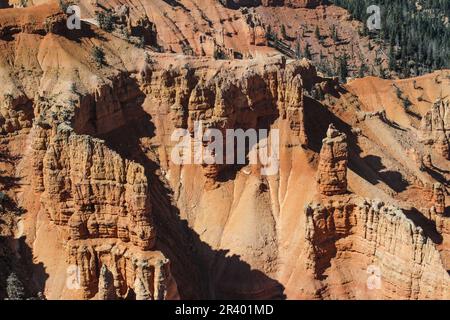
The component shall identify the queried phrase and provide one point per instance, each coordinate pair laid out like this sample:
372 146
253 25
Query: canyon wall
102 203
436 127
89 149
404 262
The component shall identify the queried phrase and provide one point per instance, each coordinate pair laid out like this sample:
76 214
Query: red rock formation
89 198
134 272
436 127
15 113
106 290
251 99
378 235
332 171
39 19
97 211
438 198
94 194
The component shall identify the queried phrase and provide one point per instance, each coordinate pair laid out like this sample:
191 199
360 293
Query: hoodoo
332 171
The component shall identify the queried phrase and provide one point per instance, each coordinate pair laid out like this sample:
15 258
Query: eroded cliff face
345 232
239 218
91 147
436 127
234 96
97 201
101 202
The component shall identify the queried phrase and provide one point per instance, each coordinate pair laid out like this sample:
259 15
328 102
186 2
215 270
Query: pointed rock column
435 127
438 198
106 290
332 171
162 274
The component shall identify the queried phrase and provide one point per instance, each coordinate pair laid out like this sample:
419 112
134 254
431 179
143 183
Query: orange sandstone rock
332 171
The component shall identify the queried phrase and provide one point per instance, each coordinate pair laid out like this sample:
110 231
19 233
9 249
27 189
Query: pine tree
362 70
415 35
317 33
14 287
307 54
334 33
343 68
392 59
298 53
283 32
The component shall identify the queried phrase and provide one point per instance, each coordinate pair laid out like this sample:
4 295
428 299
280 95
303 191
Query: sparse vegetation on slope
416 33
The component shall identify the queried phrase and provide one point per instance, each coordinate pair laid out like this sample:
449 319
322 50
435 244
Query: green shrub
14 288
98 55
105 21
64 4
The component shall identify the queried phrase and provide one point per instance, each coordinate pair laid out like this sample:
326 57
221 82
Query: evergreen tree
409 33
307 54
14 287
298 53
392 59
334 33
317 33
343 68
362 70
283 32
